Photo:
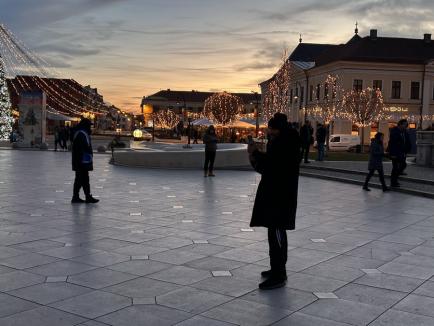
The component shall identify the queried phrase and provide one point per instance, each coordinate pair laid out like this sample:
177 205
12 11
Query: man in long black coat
399 146
82 161
306 135
276 198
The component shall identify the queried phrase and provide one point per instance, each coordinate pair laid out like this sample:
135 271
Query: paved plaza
174 248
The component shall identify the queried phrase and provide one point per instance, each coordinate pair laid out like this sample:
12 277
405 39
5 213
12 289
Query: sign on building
32 121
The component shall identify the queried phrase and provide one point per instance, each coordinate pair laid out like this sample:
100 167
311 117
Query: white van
343 142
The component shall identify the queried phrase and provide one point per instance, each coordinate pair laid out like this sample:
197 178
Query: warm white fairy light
166 119
223 108
6 119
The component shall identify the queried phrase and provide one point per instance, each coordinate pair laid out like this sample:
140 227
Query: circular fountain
177 156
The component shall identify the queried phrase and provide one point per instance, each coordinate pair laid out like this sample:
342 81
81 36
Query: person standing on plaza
376 161
82 161
399 146
306 134
62 137
56 138
276 198
210 141
321 135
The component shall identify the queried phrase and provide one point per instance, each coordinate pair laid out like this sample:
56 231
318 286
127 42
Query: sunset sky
131 48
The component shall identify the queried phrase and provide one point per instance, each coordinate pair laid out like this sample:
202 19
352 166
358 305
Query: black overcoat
376 155
276 197
81 145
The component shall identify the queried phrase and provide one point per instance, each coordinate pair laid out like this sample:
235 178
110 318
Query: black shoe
211 174
366 188
91 200
395 185
403 173
77 200
272 283
267 274
386 189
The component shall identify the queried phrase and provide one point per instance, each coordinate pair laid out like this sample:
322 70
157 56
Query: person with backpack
376 161
82 161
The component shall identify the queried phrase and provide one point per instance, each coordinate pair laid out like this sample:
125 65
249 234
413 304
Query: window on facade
377 84
415 89
396 89
291 95
326 90
296 91
311 93
358 85
318 91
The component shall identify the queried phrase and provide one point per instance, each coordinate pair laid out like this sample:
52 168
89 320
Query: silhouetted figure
321 135
306 135
399 146
82 161
276 198
376 161
195 136
63 137
210 140
56 138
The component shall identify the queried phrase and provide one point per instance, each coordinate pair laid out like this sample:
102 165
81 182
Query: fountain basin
174 156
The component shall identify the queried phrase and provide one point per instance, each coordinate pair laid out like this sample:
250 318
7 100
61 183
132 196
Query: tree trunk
362 142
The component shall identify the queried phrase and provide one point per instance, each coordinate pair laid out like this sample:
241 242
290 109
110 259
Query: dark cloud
255 66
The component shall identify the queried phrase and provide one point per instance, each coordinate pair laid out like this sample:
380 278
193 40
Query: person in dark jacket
321 135
399 146
210 141
82 161
276 198
376 161
306 135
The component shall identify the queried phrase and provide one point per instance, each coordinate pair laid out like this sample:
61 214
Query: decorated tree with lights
222 108
277 94
363 108
166 119
6 119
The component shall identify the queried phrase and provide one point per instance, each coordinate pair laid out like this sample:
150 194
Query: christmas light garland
222 108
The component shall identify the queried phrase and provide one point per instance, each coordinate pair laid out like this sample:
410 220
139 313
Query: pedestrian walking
399 146
321 135
306 135
195 136
56 138
210 141
376 161
276 198
62 137
82 161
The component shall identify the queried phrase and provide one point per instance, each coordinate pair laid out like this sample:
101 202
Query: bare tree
166 119
223 107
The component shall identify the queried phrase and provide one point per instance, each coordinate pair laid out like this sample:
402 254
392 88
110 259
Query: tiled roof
193 96
309 52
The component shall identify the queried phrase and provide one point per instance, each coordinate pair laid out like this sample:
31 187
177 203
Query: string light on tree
223 108
166 119
6 119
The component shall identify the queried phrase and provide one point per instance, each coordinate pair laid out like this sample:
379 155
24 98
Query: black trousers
209 161
398 165
278 244
305 152
380 174
81 181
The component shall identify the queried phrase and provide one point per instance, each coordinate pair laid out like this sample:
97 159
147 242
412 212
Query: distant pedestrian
56 138
376 161
306 135
321 135
63 137
210 141
195 136
276 198
82 161
399 146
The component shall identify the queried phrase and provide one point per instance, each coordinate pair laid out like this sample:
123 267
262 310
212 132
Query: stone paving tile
61 268
181 275
417 304
46 293
100 278
176 256
101 259
426 289
93 304
420 272
42 316
400 318
310 283
390 282
200 321
231 286
140 267
192 300
215 263
19 279
27 261
354 313
142 288
10 305
145 315
300 319
241 312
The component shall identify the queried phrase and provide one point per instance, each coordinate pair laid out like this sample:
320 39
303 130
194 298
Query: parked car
146 135
343 142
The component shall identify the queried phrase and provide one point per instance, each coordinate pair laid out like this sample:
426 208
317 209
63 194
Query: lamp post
257 113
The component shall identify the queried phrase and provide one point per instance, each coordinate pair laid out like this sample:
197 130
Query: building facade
403 69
